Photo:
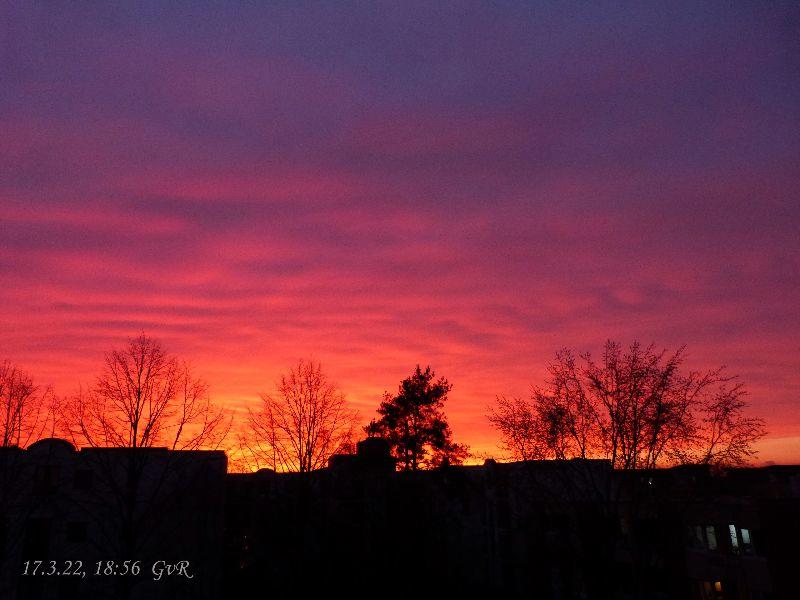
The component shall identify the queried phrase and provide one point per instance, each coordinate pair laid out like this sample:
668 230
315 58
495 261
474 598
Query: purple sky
469 185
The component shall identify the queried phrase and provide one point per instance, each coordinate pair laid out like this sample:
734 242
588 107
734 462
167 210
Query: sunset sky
376 185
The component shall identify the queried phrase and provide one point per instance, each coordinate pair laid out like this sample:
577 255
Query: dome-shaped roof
51 444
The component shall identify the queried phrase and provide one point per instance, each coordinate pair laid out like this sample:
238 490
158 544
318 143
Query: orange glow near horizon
472 191
237 379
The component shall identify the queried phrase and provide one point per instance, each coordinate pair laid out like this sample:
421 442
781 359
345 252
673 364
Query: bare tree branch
142 398
635 407
301 425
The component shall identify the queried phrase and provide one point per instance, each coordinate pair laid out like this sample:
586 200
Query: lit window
746 536
703 537
711 537
734 539
747 544
712 590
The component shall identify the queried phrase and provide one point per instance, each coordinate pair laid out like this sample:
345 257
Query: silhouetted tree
414 423
145 397
637 408
25 410
301 425
26 416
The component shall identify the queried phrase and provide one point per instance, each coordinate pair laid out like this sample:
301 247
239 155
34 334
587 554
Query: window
734 539
741 541
711 590
698 539
703 537
711 537
745 536
747 544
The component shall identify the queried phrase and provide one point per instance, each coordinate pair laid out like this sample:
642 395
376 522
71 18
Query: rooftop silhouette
548 528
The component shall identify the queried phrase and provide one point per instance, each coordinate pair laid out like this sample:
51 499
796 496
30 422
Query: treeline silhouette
582 509
637 407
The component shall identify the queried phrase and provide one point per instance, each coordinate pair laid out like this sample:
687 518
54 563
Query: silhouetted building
90 511
538 529
541 529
